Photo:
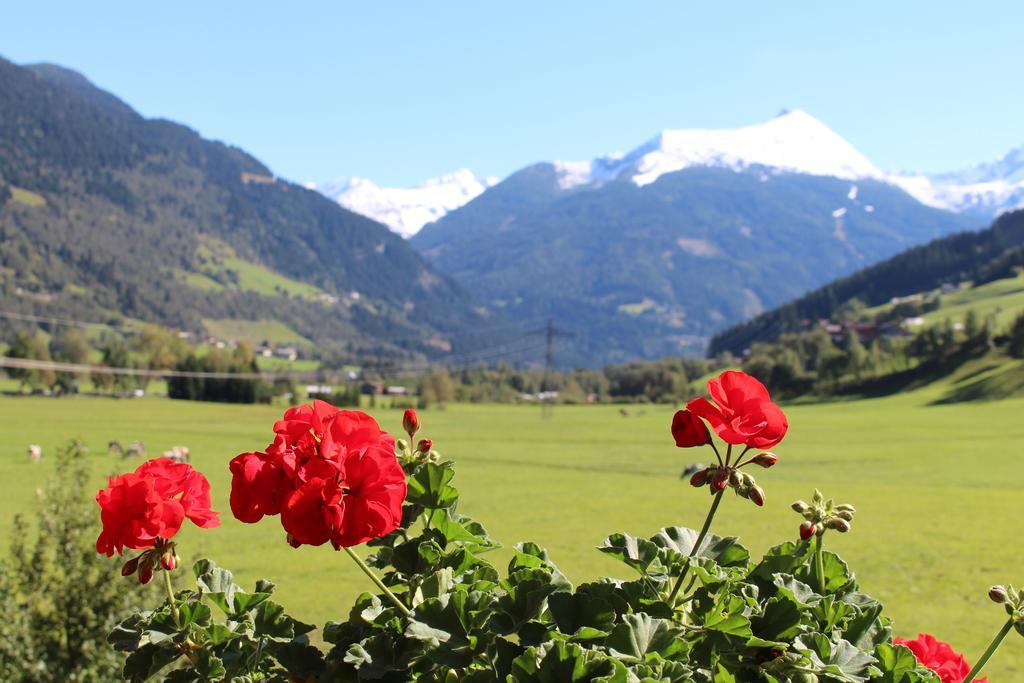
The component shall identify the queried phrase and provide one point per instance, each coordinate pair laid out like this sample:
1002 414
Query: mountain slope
978 256
406 210
650 253
105 213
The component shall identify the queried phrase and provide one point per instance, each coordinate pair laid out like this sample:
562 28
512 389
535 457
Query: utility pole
550 333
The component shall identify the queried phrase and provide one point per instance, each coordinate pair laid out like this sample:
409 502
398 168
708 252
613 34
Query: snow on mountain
406 210
986 189
794 141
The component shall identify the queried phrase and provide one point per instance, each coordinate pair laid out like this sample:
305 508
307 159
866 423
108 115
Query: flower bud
757 495
806 530
130 566
765 459
411 422
845 507
735 478
720 479
840 525
401 444
844 514
998 594
700 477
145 572
801 507
169 561
424 445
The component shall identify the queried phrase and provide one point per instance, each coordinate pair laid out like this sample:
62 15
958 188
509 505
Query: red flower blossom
151 503
939 657
332 475
410 422
742 412
688 430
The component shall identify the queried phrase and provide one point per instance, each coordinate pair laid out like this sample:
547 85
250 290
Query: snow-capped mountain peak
406 210
985 189
794 141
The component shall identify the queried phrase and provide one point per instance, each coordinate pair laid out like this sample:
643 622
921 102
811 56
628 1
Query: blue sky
400 91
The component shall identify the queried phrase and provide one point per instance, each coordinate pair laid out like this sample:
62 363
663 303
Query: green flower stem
993 646
377 582
170 598
696 546
819 561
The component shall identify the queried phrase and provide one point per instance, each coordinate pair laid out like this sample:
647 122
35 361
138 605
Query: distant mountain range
983 191
650 253
105 214
406 210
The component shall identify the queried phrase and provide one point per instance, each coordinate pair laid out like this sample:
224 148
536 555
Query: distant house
371 389
289 353
397 391
319 389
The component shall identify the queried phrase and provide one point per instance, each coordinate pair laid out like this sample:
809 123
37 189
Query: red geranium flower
939 657
688 430
743 412
151 503
332 475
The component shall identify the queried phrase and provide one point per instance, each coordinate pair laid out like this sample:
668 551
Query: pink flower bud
168 561
765 459
807 530
424 445
998 594
411 422
720 479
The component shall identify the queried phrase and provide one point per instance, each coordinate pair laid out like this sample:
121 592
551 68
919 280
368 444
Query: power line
550 332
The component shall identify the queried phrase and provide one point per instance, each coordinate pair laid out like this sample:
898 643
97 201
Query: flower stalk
377 582
992 647
696 546
170 598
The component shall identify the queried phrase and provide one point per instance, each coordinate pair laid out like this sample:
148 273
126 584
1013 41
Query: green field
939 491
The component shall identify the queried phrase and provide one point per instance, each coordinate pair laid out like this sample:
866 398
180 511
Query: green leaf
559 662
216 584
146 661
270 621
780 620
582 616
637 553
640 635
727 552
727 617
462 530
429 487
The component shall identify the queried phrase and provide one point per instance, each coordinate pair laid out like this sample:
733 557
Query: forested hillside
977 256
104 214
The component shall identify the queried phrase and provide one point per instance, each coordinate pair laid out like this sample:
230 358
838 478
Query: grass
253 332
1002 298
221 258
26 197
938 490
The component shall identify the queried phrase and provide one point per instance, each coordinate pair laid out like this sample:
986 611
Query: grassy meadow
938 489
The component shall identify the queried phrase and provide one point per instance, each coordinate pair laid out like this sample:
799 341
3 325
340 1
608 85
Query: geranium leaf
428 486
637 553
726 551
640 635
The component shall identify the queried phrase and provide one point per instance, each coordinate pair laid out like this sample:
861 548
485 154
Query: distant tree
856 354
71 347
57 599
31 347
436 388
1016 345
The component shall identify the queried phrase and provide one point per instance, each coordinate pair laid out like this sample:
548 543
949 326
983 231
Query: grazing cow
178 454
136 449
623 412
35 453
115 448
